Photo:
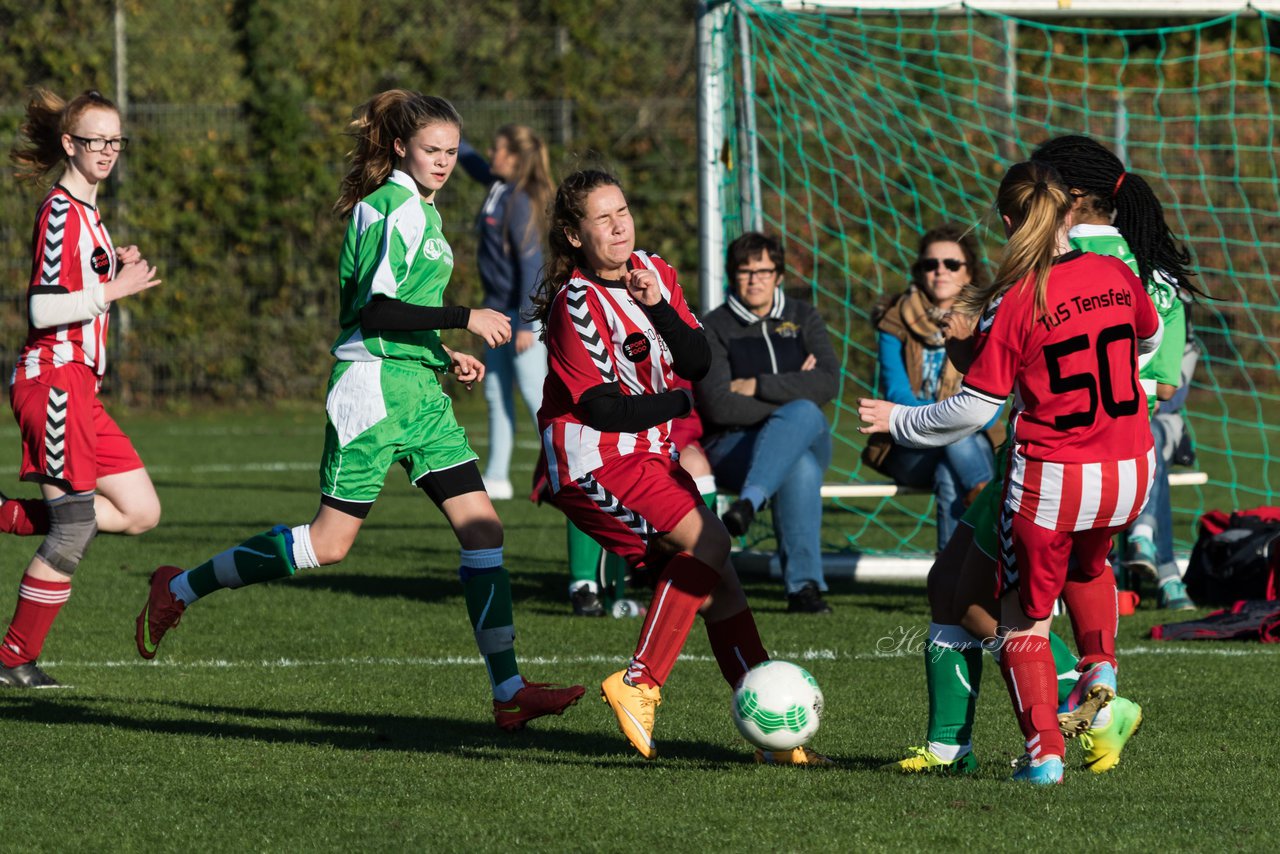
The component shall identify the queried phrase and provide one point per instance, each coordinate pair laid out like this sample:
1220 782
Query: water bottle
628 608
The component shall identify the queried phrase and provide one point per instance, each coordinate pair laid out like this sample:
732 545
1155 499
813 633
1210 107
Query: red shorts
68 439
627 503
1035 560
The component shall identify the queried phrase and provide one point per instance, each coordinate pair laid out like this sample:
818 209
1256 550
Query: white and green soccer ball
777 705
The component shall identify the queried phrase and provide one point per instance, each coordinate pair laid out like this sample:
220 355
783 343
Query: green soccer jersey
1166 365
394 248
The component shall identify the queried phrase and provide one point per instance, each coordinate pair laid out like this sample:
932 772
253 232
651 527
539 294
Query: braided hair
1090 168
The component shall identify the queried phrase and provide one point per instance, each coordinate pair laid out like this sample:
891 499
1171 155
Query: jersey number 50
1100 386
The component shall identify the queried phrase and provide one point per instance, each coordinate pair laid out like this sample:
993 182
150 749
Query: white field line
471 661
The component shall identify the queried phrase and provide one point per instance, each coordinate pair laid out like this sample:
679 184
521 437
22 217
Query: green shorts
983 514
383 412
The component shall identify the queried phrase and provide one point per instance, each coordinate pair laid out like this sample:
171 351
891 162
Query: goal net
849 130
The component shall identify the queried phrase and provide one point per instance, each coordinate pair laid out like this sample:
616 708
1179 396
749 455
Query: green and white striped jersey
394 247
1166 365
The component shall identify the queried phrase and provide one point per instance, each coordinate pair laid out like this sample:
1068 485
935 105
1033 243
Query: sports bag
1236 557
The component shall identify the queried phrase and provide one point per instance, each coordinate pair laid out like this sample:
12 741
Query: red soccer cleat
162 612
534 700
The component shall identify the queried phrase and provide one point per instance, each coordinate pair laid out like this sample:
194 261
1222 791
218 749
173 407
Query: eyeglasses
97 143
930 265
764 274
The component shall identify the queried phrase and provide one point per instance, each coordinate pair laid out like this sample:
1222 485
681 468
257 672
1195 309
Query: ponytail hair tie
1116 190
1041 186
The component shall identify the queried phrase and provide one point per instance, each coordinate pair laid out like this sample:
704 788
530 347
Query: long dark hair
376 125
1091 168
1034 198
562 256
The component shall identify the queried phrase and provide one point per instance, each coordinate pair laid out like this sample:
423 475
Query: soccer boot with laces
925 761
26 675
797 756
1102 745
535 700
1094 690
1140 557
161 613
634 706
1039 772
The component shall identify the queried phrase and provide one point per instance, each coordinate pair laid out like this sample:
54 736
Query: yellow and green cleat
925 761
1102 745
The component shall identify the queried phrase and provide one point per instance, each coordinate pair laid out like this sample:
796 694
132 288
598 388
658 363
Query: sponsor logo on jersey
100 261
636 347
436 249
787 329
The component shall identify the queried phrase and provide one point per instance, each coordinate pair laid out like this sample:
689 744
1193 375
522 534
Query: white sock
949 752
304 554
505 691
180 587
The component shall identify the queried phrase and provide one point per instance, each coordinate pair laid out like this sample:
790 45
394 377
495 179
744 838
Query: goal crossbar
1042 8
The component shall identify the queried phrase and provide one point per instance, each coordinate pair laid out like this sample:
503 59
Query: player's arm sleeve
818 385
527 244
690 352
607 409
383 314
54 305
895 384
474 164
944 422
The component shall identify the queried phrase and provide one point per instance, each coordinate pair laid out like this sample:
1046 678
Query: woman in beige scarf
914 370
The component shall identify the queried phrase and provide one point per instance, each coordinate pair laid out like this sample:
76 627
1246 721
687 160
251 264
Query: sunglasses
930 265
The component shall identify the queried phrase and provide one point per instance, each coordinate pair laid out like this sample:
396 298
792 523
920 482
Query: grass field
346 709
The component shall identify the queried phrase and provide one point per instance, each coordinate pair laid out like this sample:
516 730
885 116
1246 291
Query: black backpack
1236 557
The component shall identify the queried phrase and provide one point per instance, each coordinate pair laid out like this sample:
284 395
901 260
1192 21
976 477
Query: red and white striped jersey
596 333
70 249
1081 455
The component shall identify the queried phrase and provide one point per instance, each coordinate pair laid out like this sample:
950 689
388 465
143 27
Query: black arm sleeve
690 352
608 410
382 314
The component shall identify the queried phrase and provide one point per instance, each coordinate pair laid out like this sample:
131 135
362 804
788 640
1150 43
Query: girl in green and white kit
385 404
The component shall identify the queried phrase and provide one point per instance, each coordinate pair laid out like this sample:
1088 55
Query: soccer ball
777 705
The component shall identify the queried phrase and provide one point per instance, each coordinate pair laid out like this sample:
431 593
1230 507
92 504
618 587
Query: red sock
683 585
24 516
1027 665
1092 605
736 644
38 603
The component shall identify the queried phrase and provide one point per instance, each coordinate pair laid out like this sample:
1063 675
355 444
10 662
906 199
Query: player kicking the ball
618 332
385 404
1066 337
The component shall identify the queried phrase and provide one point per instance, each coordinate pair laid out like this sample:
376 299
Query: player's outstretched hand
875 413
643 286
132 278
467 368
493 327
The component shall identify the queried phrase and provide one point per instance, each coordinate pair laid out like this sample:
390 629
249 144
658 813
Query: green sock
584 557
1064 662
953 675
265 557
487 589
709 499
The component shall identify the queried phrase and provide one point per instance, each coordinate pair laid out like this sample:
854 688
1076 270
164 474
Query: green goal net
851 132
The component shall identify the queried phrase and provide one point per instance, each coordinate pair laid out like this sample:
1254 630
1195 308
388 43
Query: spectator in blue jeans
772 370
912 329
509 227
